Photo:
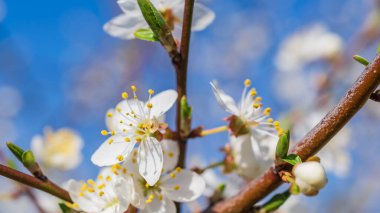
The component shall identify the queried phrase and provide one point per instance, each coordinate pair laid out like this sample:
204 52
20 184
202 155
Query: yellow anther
91 190
113 133
133 87
176 187
267 111
256 105
91 182
253 92
171 154
101 186
258 99
104 132
134 160
118 109
147 201
84 187
178 169
149 105
151 92
135 153
120 158
270 120
247 82
276 123
151 197
101 193
109 114
124 95
138 140
108 178
147 185
160 197
100 177
127 139
117 166
81 194
131 175
115 172
124 171
172 175
110 141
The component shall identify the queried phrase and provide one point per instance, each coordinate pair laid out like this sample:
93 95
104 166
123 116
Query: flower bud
310 177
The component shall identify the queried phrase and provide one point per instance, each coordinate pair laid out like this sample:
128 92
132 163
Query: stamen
124 95
109 114
176 187
247 82
91 182
101 193
127 140
151 92
178 169
120 158
104 132
253 92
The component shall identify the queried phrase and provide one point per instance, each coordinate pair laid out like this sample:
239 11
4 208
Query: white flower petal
107 153
191 186
124 189
162 102
160 206
123 26
171 154
129 6
150 159
226 101
84 203
202 17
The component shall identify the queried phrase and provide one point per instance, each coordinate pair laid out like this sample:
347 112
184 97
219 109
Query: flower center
170 18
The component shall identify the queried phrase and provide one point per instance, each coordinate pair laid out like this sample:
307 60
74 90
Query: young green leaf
28 159
361 60
282 145
186 113
146 35
66 209
158 25
16 150
292 159
276 201
378 49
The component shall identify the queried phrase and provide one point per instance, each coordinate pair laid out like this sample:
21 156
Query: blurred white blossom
124 25
11 101
306 46
60 149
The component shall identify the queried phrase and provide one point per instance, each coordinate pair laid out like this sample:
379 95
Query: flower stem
214 130
319 136
211 166
48 187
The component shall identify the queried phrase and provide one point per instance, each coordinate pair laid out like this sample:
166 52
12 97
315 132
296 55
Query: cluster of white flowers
122 185
255 144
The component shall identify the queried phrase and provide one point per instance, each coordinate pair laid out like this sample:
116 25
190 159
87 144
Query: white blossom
104 195
177 184
254 150
124 25
306 46
58 150
134 122
310 177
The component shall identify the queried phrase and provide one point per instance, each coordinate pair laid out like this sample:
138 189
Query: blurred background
59 69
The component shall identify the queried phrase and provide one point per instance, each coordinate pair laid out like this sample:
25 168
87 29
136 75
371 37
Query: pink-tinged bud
310 177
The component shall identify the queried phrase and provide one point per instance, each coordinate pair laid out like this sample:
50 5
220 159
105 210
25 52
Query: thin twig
319 136
31 181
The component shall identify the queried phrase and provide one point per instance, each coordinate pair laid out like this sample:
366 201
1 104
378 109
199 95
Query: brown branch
31 181
181 72
319 136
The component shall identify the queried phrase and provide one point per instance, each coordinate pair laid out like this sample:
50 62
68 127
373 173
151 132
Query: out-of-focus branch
34 182
319 136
